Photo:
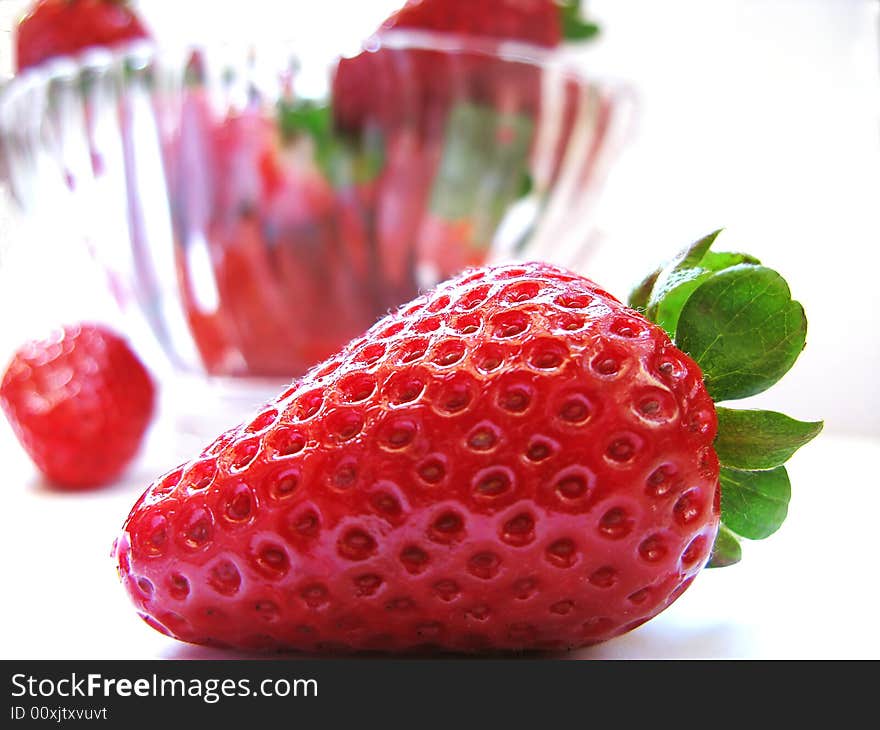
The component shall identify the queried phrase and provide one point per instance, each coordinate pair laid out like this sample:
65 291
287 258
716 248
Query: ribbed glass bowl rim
140 54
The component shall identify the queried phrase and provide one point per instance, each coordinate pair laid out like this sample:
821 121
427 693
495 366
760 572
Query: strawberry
370 84
515 460
531 21
79 402
471 118
63 27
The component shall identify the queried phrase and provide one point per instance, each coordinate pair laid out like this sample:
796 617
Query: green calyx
574 26
737 320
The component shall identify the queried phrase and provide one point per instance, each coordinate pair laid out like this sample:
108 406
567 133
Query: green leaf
726 551
684 261
676 281
663 293
720 260
743 329
692 254
668 310
527 185
754 503
750 439
685 282
574 27
688 257
638 297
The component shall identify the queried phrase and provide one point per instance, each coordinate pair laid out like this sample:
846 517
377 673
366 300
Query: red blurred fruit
367 86
64 27
531 21
284 251
80 402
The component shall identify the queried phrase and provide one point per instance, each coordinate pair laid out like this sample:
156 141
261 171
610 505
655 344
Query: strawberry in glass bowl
259 206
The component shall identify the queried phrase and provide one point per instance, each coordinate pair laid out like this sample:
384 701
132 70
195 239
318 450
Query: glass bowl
255 208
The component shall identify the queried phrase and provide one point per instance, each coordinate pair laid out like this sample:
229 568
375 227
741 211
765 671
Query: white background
762 116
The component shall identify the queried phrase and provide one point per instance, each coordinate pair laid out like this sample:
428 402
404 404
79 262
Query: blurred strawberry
80 402
308 258
279 213
466 119
348 170
404 194
532 21
64 27
250 181
429 80
245 150
354 217
251 299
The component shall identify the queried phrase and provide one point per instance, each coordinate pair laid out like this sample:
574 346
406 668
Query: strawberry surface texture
515 460
80 402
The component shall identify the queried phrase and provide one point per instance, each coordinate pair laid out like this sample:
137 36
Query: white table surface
762 115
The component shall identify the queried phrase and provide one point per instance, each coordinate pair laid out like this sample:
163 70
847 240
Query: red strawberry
514 460
63 27
374 86
411 93
456 477
79 402
531 21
